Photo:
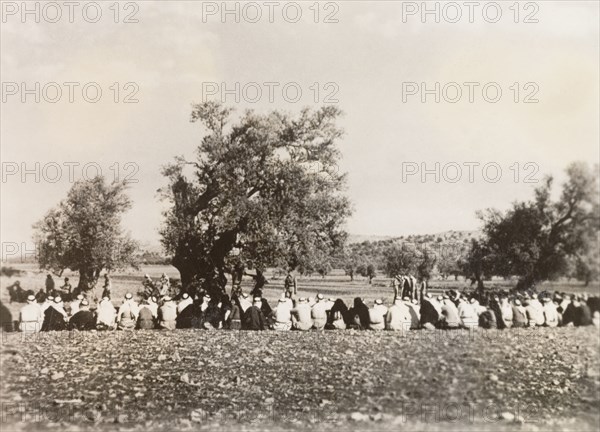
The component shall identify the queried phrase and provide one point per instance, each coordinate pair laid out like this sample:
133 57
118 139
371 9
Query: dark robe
259 282
83 320
53 320
338 306
429 314
594 304
569 314
583 315
6 321
235 319
495 307
185 318
253 319
487 320
211 315
359 315
267 312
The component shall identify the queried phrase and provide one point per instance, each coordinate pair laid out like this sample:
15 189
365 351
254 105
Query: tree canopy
83 233
263 189
539 239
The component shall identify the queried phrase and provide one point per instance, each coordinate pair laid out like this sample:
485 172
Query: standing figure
49 285
106 291
290 285
259 282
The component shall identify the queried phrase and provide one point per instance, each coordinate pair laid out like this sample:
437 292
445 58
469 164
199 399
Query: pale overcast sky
368 55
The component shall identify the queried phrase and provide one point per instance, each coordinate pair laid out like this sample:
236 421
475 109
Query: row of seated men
447 311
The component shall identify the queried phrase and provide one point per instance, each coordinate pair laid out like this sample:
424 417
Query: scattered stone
57 375
359 417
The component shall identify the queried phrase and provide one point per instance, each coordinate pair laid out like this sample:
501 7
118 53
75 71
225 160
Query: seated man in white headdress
31 316
167 314
398 317
319 313
282 314
377 315
550 312
302 315
106 315
128 313
467 314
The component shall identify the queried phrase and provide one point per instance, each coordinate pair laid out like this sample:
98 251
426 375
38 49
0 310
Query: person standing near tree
106 291
290 285
49 285
259 282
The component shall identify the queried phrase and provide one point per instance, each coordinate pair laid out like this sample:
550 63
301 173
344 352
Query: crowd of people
410 309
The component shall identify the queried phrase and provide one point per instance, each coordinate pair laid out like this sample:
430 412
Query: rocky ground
535 379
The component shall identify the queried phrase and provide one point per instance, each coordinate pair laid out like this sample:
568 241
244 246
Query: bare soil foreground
534 379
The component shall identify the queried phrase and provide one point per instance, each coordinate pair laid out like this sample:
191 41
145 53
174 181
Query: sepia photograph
300 216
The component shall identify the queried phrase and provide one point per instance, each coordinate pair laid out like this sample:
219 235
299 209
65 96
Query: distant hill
359 238
446 236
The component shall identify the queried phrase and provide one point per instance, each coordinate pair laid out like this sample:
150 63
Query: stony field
539 379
